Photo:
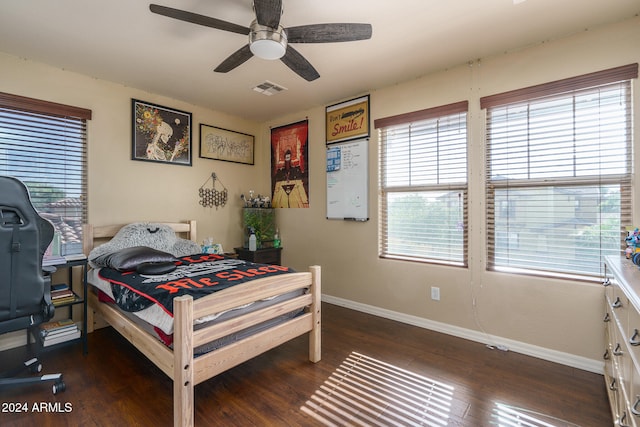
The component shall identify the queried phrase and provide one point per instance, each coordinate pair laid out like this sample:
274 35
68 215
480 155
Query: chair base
8 379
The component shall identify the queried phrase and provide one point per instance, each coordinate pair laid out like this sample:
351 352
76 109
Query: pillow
156 268
128 259
153 235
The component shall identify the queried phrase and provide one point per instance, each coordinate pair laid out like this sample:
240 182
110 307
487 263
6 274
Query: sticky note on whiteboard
334 158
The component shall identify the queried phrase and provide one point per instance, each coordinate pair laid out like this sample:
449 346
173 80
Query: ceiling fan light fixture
269 40
267 43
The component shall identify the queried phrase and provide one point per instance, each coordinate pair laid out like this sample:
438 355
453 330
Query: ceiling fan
269 40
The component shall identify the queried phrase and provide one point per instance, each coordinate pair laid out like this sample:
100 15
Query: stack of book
61 294
58 331
49 260
53 260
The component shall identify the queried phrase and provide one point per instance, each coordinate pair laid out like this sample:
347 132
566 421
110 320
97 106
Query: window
558 174
423 185
45 145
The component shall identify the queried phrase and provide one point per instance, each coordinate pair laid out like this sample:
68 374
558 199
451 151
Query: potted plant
259 216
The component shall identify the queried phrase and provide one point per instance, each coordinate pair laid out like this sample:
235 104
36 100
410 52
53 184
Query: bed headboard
98 233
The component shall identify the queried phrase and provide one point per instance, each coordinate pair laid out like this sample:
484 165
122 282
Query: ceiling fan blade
268 12
328 33
299 64
194 18
237 58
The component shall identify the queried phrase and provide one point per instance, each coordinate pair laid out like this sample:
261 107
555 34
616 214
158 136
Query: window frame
64 129
569 87
408 119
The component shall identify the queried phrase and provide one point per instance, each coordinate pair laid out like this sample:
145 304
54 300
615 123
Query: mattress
154 313
157 320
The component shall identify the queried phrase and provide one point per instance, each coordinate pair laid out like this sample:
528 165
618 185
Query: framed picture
347 120
160 134
223 144
290 166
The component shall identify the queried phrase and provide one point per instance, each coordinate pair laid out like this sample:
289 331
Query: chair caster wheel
36 368
59 387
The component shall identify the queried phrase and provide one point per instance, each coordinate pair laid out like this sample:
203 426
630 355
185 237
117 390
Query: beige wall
560 316
123 190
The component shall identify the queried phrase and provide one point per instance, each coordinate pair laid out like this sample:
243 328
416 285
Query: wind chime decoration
210 197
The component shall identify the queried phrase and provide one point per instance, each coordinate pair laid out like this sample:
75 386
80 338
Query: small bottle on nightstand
252 240
276 239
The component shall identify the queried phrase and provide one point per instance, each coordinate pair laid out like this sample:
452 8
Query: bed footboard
187 371
315 336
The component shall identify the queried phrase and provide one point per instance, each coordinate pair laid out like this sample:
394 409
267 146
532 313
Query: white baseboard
567 359
18 338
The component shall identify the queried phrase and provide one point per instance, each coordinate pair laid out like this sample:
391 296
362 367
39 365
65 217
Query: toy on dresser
633 246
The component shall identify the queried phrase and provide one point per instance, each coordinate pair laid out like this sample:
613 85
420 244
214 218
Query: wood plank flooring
114 385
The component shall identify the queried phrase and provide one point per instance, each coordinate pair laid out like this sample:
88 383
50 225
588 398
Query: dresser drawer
633 335
622 333
634 398
620 306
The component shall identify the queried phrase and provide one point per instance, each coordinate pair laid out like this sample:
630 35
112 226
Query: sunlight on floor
366 391
510 416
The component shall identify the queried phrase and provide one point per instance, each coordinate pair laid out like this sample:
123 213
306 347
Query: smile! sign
348 120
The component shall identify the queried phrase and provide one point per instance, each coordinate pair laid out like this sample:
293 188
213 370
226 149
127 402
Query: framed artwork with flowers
160 134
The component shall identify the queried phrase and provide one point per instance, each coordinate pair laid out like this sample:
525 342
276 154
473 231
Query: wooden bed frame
179 363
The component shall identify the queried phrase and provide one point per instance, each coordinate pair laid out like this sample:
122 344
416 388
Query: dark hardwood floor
468 384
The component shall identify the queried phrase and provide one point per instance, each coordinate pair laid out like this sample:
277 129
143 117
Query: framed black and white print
160 134
224 144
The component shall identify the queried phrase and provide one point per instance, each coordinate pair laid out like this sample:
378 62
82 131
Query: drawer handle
613 385
606 317
606 355
635 339
617 351
617 303
622 420
606 282
634 408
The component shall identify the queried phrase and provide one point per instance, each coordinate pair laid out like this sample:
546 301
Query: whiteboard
348 180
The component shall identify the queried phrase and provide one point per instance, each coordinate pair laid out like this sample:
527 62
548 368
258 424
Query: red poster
289 166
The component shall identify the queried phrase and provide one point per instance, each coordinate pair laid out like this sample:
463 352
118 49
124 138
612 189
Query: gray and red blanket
196 275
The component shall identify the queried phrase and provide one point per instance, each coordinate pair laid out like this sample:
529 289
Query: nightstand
77 296
261 256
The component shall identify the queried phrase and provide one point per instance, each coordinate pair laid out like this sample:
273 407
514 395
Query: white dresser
622 353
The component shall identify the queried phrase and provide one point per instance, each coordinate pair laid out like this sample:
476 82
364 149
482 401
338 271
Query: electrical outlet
435 293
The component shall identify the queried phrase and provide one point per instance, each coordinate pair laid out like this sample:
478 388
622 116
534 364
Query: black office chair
25 289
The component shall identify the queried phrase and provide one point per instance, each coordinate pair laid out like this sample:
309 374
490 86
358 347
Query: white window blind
558 184
423 185
45 145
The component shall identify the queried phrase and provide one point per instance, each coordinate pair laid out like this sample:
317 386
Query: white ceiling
123 42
